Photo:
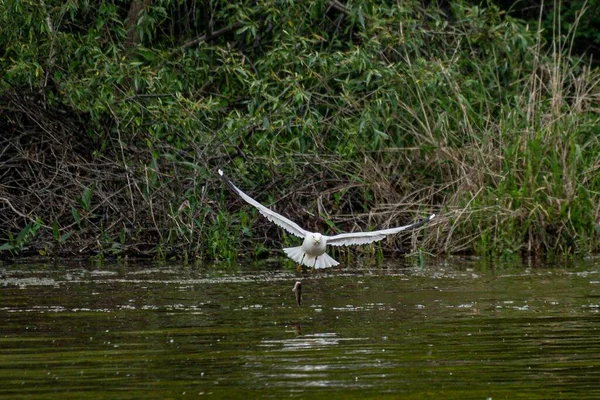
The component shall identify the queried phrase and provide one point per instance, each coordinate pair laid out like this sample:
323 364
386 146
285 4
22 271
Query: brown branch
207 18
20 214
214 35
133 16
336 5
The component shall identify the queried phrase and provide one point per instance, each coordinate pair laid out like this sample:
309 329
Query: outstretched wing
347 239
271 215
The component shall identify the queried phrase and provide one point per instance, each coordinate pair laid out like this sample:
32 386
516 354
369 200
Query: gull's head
316 238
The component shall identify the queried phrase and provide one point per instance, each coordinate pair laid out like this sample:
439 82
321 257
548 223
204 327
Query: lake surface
453 329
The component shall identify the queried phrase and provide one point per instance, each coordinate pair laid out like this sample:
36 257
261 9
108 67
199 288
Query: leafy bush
355 115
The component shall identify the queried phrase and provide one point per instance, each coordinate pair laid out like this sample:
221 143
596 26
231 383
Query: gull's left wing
277 219
347 239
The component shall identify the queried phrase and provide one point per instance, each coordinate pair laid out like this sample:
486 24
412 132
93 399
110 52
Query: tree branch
20 214
214 35
336 5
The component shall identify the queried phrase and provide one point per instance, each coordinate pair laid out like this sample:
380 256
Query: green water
450 330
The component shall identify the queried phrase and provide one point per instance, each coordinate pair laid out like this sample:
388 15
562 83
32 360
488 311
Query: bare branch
213 36
336 5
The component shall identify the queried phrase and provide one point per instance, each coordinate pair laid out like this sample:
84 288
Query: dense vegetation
116 114
578 18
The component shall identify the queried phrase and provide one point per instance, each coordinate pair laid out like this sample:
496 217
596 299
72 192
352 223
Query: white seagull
312 252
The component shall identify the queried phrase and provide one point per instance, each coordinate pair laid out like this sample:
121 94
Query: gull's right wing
271 215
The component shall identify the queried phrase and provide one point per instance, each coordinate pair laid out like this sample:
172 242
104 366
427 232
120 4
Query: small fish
298 290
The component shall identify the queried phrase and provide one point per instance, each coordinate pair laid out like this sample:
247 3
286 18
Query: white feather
348 239
325 261
271 215
297 254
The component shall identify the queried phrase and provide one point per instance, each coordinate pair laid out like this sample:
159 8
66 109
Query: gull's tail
298 255
324 261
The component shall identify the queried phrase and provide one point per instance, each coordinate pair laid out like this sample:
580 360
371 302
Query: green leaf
7 247
381 135
76 216
86 198
23 234
192 165
55 231
65 237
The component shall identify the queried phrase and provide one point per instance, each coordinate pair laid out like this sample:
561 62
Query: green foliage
577 20
16 244
357 115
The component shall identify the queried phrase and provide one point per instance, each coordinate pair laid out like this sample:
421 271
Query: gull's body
312 252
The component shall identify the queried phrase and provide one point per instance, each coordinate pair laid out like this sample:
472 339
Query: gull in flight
312 252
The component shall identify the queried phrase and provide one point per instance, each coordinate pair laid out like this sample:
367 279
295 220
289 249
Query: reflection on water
452 330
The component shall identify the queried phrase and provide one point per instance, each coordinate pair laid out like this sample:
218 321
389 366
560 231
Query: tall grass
525 177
